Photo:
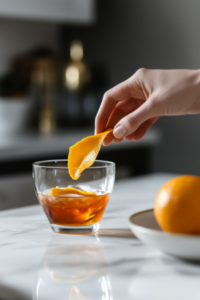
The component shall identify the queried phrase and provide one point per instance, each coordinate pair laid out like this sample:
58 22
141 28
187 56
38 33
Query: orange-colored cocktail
73 210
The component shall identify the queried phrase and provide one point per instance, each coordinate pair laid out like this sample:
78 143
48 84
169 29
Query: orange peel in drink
66 191
83 154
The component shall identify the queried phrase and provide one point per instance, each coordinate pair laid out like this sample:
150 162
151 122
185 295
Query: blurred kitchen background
58 57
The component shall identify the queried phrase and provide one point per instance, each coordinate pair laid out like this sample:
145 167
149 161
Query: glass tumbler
72 213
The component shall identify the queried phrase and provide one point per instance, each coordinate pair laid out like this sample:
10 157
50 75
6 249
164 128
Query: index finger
119 93
127 89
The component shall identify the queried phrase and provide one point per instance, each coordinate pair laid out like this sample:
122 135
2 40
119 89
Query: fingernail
119 132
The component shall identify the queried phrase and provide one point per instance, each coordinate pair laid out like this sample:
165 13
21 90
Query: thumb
130 123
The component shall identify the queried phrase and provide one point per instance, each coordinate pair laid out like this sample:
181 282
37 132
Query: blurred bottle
44 82
77 86
83 87
77 73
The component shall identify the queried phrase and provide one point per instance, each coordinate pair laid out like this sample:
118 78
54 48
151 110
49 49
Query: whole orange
177 205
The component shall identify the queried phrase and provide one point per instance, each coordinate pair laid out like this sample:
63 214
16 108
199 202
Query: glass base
89 229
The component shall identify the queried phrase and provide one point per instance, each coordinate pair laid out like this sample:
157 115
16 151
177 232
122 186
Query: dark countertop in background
33 144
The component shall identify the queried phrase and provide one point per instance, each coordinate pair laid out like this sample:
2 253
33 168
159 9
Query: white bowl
144 225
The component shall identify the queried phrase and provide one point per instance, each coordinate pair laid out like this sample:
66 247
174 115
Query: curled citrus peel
65 191
83 154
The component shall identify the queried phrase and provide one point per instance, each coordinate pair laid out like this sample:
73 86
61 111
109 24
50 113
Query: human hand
134 105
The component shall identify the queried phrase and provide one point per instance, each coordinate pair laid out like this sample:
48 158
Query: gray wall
131 34
17 37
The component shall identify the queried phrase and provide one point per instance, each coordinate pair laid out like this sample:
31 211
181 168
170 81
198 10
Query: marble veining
39 264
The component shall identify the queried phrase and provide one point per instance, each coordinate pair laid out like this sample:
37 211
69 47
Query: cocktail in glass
72 213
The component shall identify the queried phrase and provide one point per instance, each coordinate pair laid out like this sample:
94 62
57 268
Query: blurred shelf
33 144
70 11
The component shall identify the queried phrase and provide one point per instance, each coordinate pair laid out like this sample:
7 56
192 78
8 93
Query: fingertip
136 139
139 134
105 143
117 141
119 132
128 139
108 139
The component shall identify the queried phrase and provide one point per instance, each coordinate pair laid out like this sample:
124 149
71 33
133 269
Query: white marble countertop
32 143
36 263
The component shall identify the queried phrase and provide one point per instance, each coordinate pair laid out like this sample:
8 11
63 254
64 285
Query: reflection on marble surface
164 277
77 270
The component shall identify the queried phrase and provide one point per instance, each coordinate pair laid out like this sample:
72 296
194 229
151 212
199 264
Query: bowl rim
156 232
38 164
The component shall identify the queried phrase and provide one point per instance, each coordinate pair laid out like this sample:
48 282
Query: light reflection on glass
74 268
75 294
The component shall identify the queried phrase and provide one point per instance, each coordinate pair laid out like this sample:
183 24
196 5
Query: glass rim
37 164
